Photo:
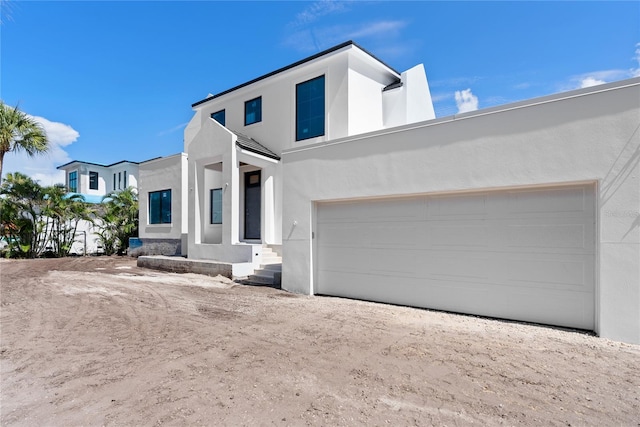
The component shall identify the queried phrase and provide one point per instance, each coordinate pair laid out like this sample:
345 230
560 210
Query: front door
252 202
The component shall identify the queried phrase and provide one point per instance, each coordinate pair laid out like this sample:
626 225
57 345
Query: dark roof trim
295 64
97 164
398 83
250 144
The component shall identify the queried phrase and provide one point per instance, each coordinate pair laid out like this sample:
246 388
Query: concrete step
267 274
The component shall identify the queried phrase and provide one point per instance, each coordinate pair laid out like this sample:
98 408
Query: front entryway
252 203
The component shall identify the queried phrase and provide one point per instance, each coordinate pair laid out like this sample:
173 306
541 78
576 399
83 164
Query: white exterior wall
353 100
131 170
166 173
590 135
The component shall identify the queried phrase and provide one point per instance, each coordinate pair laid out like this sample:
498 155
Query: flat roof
295 64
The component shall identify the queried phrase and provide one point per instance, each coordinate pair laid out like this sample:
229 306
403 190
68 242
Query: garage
522 254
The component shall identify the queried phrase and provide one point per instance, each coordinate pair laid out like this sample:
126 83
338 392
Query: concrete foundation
183 265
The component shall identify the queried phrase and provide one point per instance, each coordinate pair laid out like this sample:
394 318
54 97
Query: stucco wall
588 135
163 174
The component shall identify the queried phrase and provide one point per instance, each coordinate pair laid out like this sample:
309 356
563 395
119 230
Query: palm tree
18 131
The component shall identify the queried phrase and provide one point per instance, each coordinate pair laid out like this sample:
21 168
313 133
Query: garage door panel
551 201
518 254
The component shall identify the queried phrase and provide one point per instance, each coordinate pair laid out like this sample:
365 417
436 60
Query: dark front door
252 202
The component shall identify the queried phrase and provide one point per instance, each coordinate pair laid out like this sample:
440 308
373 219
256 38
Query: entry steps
270 271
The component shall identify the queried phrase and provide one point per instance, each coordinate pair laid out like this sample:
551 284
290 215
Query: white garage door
523 254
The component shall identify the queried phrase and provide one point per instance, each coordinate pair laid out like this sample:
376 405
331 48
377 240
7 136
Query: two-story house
93 180
235 140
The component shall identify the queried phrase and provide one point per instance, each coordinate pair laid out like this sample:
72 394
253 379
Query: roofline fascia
295 64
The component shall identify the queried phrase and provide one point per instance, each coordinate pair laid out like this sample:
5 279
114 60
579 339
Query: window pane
73 181
160 207
216 206
310 110
219 117
253 111
93 180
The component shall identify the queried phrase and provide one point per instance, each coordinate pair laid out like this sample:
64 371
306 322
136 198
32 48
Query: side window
73 181
253 111
216 206
93 180
310 109
125 179
119 180
114 182
219 116
160 207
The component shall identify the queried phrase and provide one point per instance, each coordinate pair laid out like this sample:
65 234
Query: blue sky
115 80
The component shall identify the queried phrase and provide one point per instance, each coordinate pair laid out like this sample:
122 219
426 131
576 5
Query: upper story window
219 116
73 181
93 180
310 109
160 207
114 182
253 111
125 179
119 180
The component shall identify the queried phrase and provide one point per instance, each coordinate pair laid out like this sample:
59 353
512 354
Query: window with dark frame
253 111
160 207
119 180
219 116
216 206
125 179
310 109
93 180
73 181
114 181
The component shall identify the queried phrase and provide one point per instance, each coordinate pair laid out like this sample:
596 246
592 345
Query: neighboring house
93 180
162 195
236 138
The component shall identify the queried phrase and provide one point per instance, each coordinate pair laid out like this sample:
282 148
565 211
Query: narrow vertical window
160 207
119 180
216 206
253 111
114 182
73 181
219 116
93 180
310 111
125 179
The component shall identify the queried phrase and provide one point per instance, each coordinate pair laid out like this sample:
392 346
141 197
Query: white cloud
317 10
590 81
635 72
318 38
466 101
43 167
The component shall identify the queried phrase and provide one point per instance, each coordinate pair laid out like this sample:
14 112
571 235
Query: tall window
219 116
125 179
310 109
73 181
93 180
119 180
253 111
216 206
114 182
160 207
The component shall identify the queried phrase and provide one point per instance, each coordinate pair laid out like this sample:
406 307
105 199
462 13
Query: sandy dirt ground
99 341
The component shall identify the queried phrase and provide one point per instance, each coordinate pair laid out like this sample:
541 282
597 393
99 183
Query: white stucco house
528 211
236 138
93 181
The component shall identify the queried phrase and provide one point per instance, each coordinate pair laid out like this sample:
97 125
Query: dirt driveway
99 341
